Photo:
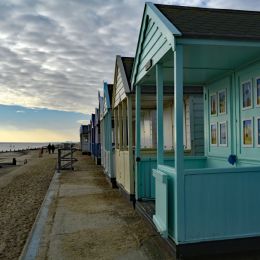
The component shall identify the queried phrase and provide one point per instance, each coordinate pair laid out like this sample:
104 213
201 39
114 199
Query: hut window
148 129
168 126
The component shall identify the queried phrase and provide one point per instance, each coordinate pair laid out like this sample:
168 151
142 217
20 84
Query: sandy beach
22 190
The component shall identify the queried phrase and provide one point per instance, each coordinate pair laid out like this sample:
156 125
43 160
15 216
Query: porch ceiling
205 63
148 101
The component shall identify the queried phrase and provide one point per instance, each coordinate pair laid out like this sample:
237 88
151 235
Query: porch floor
146 208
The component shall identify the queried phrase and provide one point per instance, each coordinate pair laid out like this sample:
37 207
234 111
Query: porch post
130 141
159 110
137 135
178 136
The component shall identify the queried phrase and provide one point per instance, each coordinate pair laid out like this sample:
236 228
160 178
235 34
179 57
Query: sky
55 55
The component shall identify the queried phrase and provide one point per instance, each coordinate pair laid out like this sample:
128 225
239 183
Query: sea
4 146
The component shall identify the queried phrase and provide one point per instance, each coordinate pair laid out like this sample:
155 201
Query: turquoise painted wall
145 180
212 91
153 46
235 114
247 154
222 204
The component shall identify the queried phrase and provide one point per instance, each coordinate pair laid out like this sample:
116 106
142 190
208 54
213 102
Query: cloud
20 111
83 122
56 54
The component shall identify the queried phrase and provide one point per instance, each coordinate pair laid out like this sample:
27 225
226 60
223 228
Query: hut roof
194 22
128 65
110 91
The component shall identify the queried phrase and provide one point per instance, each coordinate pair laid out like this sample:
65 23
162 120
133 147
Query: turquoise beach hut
209 201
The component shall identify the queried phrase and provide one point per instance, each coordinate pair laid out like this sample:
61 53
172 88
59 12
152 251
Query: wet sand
22 190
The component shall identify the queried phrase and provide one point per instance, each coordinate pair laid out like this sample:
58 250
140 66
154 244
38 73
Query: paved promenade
90 220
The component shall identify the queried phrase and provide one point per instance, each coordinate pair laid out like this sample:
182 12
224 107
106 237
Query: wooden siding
228 197
154 46
123 171
119 94
196 114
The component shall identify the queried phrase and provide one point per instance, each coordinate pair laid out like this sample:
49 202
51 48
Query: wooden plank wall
120 90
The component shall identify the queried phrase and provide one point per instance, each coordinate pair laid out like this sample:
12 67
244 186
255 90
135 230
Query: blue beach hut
212 200
92 133
84 139
97 150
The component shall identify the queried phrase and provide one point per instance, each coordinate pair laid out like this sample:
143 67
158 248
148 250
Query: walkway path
90 220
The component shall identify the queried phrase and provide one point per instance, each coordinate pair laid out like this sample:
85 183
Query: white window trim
219 132
247 145
242 97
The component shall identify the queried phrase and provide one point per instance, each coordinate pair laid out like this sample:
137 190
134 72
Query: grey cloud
56 54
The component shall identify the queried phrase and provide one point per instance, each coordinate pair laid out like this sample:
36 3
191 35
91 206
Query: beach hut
84 139
211 201
101 114
122 99
89 139
142 187
107 134
97 150
92 135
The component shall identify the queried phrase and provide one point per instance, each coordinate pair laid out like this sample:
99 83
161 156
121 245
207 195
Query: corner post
178 136
159 110
130 140
137 135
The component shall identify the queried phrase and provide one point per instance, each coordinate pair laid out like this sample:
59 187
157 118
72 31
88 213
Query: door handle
137 159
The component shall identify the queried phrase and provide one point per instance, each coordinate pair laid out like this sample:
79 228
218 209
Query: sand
22 190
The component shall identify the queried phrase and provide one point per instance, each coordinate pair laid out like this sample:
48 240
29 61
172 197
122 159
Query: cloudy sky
55 54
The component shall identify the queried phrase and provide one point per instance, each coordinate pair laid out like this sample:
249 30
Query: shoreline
22 150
